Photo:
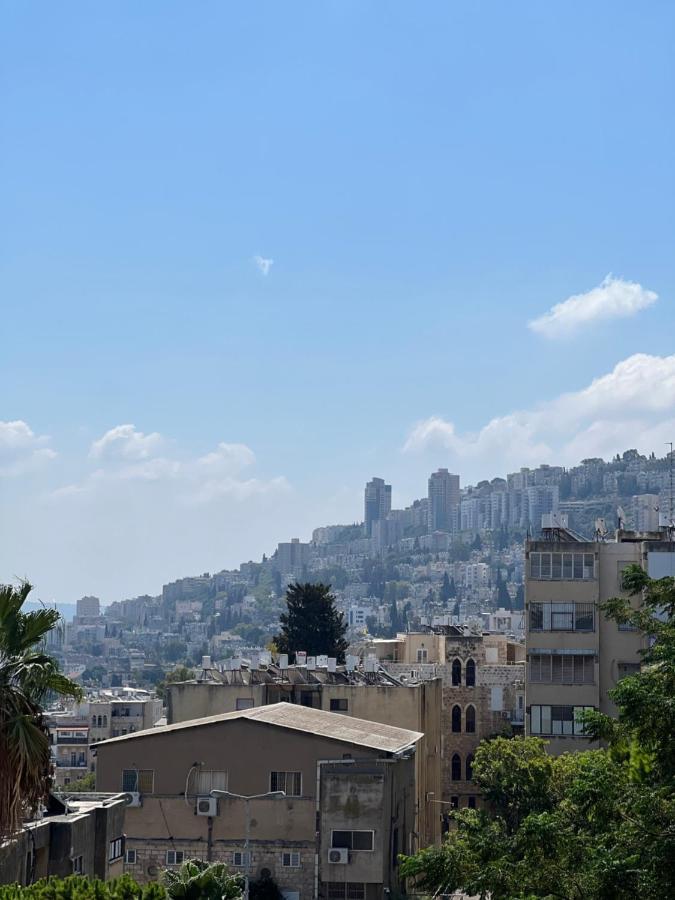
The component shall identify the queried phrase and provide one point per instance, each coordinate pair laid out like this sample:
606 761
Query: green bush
77 887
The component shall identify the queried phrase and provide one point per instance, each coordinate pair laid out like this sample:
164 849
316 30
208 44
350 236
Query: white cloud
21 450
612 299
633 405
264 265
228 457
125 442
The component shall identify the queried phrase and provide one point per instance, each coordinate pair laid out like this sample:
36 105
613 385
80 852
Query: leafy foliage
75 887
597 825
27 676
312 622
200 880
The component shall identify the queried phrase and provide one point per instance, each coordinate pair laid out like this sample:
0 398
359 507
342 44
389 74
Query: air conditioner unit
207 806
135 798
338 855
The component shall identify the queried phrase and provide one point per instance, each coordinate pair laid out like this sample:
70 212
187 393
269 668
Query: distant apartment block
575 655
444 501
292 557
88 607
376 502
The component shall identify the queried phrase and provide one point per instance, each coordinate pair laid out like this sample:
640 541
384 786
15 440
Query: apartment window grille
210 780
353 840
557 720
115 849
471 673
130 857
339 704
456 672
288 782
568 668
138 780
562 617
456 767
456 719
627 626
471 719
345 890
174 857
562 566
241 859
290 859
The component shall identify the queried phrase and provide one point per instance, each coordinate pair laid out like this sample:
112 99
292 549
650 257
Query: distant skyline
252 256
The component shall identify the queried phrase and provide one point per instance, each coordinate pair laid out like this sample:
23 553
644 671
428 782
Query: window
290 859
115 850
353 840
562 566
557 720
562 617
288 782
241 859
339 704
469 768
470 673
625 669
210 780
456 719
345 890
566 668
471 803
244 703
456 767
454 802
174 857
130 857
456 672
78 865
138 780
626 626
422 655
471 719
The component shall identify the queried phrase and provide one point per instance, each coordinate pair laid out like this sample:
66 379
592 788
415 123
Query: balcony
82 741
69 764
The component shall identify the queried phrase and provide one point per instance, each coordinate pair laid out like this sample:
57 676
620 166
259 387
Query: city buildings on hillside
322 802
483 678
371 694
575 655
81 836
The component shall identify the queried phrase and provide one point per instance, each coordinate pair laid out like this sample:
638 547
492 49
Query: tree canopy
312 622
592 825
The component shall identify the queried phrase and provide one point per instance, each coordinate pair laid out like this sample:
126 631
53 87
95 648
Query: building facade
444 501
376 503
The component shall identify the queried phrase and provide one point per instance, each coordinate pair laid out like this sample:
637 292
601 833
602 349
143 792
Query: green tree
312 623
445 592
77 887
181 673
82 786
197 879
265 888
28 676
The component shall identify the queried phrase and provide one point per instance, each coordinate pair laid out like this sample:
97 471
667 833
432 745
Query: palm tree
27 677
200 880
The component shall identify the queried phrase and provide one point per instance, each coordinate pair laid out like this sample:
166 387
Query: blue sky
427 178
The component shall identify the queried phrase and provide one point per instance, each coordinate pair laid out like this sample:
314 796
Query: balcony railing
69 764
84 740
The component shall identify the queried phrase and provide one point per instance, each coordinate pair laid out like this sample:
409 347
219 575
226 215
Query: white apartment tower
443 501
377 502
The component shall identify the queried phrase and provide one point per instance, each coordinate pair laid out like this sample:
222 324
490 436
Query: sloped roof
333 726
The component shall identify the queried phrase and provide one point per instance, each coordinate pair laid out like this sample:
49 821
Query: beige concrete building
483 679
575 656
348 808
375 696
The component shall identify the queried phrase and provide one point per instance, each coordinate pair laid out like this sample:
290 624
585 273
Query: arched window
99 722
469 767
471 719
470 673
93 721
456 672
456 767
105 721
456 719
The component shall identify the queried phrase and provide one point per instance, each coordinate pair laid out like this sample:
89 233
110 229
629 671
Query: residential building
88 607
346 812
575 655
86 837
377 503
444 500
373 695
292 557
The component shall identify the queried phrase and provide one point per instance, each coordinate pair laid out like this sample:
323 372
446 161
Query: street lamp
247 798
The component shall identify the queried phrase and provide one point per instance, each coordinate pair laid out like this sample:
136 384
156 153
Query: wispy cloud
263 264
21 450
125 442
614 298
633 405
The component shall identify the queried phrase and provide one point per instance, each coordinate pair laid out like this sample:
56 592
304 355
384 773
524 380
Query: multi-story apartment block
292 557
444 501
376 503
483 692
88 607
372 695
575 655
322 803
